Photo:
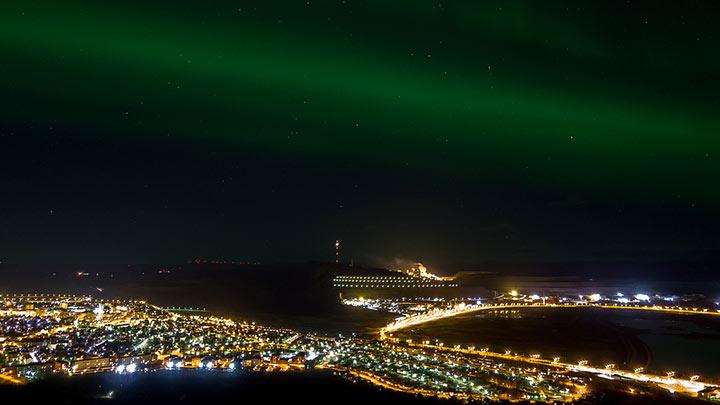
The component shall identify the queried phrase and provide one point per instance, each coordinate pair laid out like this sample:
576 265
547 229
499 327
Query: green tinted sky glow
618 100
128 52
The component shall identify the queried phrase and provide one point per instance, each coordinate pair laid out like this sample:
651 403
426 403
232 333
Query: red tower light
337 251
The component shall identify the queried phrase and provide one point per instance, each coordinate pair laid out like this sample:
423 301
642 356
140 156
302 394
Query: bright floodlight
594 297
534 297
120 368
131 368
642 297
232 366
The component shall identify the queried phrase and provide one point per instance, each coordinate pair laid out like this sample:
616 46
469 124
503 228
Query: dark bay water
687 344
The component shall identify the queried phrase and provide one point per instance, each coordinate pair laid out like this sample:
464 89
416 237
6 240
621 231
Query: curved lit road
669 382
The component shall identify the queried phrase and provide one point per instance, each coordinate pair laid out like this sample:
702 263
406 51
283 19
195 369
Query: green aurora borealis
613 102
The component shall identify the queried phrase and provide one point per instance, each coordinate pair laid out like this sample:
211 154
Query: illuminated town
74 335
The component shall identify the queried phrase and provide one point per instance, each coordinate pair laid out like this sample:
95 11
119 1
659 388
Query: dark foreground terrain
218 387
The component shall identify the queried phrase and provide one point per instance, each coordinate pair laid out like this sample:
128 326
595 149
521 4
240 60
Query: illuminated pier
389 282
186 310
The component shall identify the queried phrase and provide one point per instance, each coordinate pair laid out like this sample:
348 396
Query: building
35 370
92 365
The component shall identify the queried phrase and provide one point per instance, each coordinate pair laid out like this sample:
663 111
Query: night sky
152 131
